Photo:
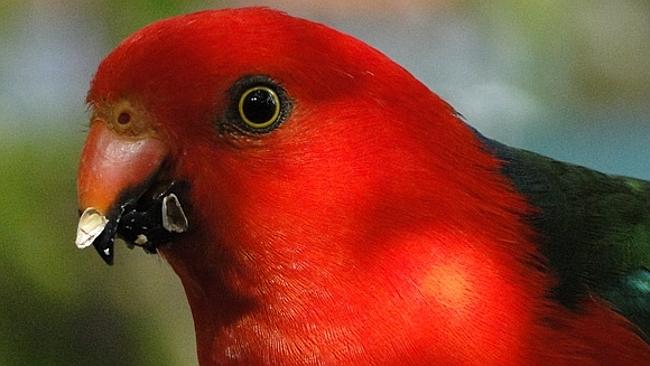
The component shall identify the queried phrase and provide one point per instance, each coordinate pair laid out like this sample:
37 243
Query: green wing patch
594 230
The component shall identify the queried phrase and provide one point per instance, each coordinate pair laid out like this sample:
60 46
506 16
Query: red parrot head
250 119
295 177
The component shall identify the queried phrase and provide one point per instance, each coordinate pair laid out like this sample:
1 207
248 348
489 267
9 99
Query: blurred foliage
55 308
61 306
576 51
122 17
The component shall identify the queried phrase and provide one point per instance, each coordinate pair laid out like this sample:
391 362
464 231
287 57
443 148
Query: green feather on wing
594 230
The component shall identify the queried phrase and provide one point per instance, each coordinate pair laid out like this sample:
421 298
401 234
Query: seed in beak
91 225
173 216
141 239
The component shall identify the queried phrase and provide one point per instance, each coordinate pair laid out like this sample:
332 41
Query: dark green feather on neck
594 230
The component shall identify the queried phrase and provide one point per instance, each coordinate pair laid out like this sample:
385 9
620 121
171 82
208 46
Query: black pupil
259 106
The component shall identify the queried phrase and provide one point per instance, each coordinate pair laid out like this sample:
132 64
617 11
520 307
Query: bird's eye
258 104
259 107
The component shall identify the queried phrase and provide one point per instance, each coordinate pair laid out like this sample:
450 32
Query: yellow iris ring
276 113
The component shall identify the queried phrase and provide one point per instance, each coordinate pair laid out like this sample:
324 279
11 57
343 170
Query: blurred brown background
568 79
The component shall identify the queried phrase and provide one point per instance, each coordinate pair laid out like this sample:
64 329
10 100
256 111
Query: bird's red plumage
371 227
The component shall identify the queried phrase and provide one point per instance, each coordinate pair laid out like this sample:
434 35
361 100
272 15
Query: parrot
321 206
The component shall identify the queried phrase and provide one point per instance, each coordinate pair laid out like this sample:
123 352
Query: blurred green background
568 79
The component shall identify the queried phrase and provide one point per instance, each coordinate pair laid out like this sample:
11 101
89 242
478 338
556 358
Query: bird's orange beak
111 163
115 171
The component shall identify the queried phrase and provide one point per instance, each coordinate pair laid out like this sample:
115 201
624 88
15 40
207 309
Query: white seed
141 239
173 216
91 225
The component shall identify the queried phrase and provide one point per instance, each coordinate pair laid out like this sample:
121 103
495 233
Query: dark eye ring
259 107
